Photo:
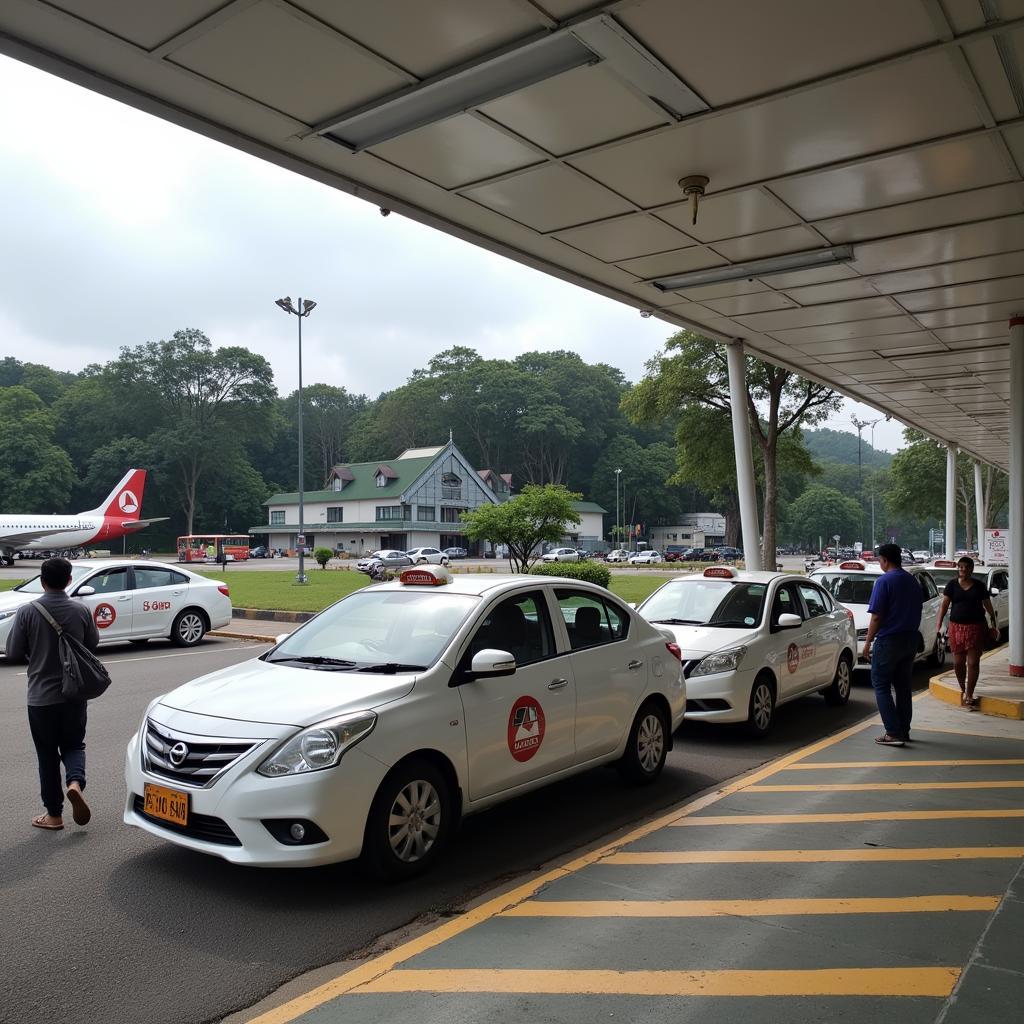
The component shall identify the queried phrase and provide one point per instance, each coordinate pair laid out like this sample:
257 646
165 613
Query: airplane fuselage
74 531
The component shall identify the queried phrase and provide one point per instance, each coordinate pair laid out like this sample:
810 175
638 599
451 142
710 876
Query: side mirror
281 637
995 591
85 591
489 664
787 620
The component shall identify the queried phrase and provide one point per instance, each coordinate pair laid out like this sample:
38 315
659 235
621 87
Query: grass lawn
635 588
276 589
9 584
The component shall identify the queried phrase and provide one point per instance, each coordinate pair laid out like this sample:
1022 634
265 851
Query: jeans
58 731
892 666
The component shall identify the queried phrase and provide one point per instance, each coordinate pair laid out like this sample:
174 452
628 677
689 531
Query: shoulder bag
83 675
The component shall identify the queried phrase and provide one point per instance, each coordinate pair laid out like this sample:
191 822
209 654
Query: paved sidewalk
844 881
998 693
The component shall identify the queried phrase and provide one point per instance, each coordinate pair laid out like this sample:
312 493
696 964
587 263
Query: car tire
761 708
837 693
937 656
413 785
646 748
189 628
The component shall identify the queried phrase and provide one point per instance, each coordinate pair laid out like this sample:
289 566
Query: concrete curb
271 615
944 687
232 634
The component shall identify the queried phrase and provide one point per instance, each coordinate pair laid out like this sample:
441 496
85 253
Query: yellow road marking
863 981
806 766
856 787
811 819
379 966
751 908
816 856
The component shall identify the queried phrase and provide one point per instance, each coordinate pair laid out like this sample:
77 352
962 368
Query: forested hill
841 446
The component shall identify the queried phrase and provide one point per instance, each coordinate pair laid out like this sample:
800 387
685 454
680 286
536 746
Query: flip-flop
39 823
79 808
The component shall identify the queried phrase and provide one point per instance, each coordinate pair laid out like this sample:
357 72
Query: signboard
996 549
301 540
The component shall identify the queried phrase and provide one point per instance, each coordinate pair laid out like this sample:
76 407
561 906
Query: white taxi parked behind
375 726
851 582
753 640
135 600
994 578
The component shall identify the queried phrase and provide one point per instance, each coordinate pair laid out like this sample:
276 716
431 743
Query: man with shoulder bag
57 636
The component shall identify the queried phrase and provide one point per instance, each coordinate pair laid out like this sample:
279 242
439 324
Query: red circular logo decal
104 616
792 657
525 728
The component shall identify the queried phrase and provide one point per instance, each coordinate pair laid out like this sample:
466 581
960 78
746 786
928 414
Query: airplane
117 516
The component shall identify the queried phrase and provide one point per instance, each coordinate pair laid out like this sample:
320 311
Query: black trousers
58 731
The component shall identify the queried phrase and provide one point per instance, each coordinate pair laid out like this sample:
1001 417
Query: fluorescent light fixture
452 93
757 268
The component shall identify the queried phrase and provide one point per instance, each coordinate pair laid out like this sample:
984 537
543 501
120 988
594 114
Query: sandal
79 808
40 822
973 703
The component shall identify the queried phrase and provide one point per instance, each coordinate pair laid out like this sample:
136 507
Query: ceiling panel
725 289
888 342
574 110
549 198
624 237
1003 265
853 329
832 313
983 58
964 294
771 45
769 243
254 53
817 275
836 291
892 106
457 151
903 177
1015 140
757 303
970 333
679 262
737 213
147 23
969 314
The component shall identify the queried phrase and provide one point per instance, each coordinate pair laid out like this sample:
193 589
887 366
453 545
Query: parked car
258 552
618 555
923 556
337 743
728 554
432 555
456 552
388 558
649 557
561 555
135 600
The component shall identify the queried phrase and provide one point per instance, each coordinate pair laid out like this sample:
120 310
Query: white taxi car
434 556
994 578
851 582
561 555
649 557
375 726
753 640
135 600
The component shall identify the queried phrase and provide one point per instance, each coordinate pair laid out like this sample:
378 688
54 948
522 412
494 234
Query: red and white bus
213 547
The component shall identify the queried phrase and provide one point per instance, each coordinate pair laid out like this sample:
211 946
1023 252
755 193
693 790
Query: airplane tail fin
125 500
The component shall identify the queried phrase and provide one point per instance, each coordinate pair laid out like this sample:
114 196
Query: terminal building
694 530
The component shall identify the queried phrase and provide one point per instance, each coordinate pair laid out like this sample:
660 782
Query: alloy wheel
414 821
843 679
190 629
762 709
650 742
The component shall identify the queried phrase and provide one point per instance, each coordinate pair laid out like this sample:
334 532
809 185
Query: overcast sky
119 228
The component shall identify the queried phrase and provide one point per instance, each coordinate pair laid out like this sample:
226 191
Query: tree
822 512
322 556
534 516
35 474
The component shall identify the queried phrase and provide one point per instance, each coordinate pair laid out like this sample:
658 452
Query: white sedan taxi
375 726
561 555
135 600
851 582
751 641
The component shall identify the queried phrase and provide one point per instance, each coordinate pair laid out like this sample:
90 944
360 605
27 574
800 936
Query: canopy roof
557 131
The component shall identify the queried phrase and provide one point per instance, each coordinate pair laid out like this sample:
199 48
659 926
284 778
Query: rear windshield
848 588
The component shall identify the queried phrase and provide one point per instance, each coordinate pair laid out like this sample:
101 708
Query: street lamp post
305 307
618 528
872 425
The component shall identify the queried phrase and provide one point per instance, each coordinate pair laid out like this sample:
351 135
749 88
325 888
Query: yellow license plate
169 804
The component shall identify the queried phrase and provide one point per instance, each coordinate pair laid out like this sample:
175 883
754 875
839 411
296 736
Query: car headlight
319 746
722 661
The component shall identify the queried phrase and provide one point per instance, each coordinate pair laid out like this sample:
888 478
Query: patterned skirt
967 636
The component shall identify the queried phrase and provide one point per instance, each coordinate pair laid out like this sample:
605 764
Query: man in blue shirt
894 629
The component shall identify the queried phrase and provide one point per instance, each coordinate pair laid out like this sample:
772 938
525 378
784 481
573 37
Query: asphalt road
106 923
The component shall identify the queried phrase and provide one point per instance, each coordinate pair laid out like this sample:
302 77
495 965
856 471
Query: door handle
558 684
126 597
635 665
177 593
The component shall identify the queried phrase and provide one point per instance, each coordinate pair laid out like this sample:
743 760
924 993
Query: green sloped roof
588 506
363 487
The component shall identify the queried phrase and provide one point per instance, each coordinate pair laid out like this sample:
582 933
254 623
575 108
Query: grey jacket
34 640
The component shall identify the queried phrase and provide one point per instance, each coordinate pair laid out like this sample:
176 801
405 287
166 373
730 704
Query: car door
1000 581
158 595
795 670
931 600
111 604
609 670
519 728
826 627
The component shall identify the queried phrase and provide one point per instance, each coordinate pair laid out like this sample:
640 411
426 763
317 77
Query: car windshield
375 629
35 586
848 587
707 602
942 576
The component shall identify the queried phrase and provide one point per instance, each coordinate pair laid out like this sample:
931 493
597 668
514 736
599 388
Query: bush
323 556
590 572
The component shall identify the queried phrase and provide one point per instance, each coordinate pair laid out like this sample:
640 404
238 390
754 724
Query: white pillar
744 457
1017 495
950 501
979 509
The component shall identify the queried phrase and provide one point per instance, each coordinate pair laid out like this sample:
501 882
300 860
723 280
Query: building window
382 480
451 514
336 514
451 486
407 512
277 518
425 513
388 512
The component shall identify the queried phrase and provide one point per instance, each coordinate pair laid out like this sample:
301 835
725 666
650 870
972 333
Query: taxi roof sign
720 572
851 565
944 563
425 576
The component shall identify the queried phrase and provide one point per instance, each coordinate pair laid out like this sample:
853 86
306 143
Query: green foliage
823 512
35 474
322 556
590 572
840 446
534 516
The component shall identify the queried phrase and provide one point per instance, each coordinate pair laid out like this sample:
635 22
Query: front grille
206 757
200 826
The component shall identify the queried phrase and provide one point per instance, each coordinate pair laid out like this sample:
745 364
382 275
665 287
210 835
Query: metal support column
1017 495
979 509
744 457
950 501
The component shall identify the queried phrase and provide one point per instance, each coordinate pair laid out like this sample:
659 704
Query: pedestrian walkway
998 693
844 881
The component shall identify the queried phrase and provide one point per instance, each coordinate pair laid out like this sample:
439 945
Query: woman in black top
969 601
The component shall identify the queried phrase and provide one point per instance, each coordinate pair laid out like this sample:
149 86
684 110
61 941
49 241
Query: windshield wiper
731 623
314 659
678 622
391 667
